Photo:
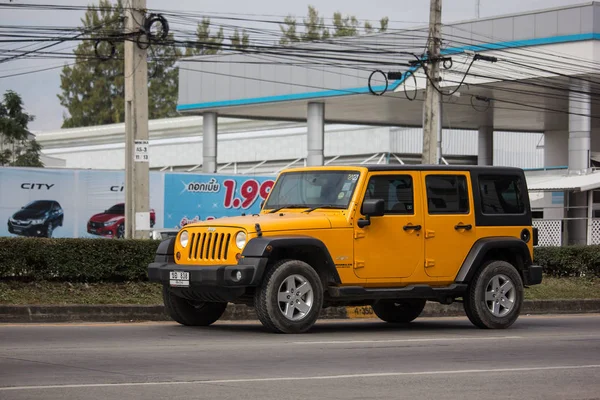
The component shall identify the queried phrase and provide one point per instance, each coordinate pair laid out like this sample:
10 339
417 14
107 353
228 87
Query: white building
266 147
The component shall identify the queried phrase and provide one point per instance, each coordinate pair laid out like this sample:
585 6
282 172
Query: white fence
550 231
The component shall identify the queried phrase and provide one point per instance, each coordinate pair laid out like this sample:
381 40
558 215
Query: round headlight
240 240
183 239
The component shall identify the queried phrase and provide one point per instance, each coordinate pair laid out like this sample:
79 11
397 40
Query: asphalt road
538 358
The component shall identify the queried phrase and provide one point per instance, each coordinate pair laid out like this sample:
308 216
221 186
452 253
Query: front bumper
212 275
533 275
27 230
107 231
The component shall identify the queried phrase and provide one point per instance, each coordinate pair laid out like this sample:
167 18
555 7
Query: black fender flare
266 246
165 250
481 247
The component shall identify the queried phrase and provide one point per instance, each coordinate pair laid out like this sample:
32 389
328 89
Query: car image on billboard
38 218
111 222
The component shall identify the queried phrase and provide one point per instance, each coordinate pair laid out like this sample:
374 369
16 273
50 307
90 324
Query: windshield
116 209
39 205
312 189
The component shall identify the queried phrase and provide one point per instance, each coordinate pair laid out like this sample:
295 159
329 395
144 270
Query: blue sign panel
196 197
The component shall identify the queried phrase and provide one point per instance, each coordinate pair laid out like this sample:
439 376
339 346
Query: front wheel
120 234
290 298
495 296
49 229
191 313
398 311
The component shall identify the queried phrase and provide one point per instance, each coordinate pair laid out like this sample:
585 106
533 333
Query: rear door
449 227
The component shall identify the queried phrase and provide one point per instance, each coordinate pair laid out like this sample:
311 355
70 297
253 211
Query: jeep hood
275 222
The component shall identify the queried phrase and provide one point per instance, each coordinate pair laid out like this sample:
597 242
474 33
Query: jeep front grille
211 246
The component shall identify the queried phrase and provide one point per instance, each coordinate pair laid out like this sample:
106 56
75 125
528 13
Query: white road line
443 339
306 378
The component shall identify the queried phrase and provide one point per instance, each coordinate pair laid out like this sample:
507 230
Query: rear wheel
398 311
495 296
191 313
290 298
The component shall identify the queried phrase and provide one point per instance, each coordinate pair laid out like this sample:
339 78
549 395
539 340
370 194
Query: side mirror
371 208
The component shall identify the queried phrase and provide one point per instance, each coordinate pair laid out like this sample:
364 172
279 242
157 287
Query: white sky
39 90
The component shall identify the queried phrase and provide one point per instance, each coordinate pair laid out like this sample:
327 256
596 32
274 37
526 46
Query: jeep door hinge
359 235
359 264
429 262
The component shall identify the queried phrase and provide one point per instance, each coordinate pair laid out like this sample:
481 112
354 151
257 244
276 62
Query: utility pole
477 6
137 182
432 121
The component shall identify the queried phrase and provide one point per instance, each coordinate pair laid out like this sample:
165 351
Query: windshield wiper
287 206
323 206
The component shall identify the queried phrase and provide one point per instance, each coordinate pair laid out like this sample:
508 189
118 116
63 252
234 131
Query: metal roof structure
536 57
563 182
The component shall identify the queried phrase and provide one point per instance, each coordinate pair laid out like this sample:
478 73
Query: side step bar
406 292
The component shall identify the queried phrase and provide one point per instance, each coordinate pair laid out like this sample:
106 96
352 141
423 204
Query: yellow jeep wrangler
392 237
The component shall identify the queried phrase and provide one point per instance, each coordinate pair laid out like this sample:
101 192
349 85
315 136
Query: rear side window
447 194
501 195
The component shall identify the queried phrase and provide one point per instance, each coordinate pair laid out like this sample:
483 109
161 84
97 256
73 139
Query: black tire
503 314
398 311
266 299
190 313
120 234
49 229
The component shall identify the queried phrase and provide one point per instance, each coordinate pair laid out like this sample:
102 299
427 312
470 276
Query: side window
501 195
447 194
395 190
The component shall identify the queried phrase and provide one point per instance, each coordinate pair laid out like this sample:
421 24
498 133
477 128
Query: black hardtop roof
425 167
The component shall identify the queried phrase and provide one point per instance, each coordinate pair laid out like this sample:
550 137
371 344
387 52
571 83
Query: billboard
90 203
101 202
37 202
199 197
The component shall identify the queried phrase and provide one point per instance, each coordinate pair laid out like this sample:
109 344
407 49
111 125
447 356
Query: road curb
120 313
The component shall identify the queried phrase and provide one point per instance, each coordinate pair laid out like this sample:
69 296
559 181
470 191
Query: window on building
501 195
395 190
447 194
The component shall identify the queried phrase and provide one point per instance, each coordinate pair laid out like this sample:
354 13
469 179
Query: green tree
92 90
17 146
316 29
289 29
383 24
344 26
239 41
206 43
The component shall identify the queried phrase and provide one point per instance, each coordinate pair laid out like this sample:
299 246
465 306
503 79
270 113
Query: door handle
412 227
467 227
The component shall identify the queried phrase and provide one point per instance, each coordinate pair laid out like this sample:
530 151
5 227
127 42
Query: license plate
17 230
179 278
92 231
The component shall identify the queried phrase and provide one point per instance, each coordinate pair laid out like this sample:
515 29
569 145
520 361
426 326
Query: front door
449 228
392 246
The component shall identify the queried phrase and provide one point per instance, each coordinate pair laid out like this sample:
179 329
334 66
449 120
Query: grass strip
145 293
